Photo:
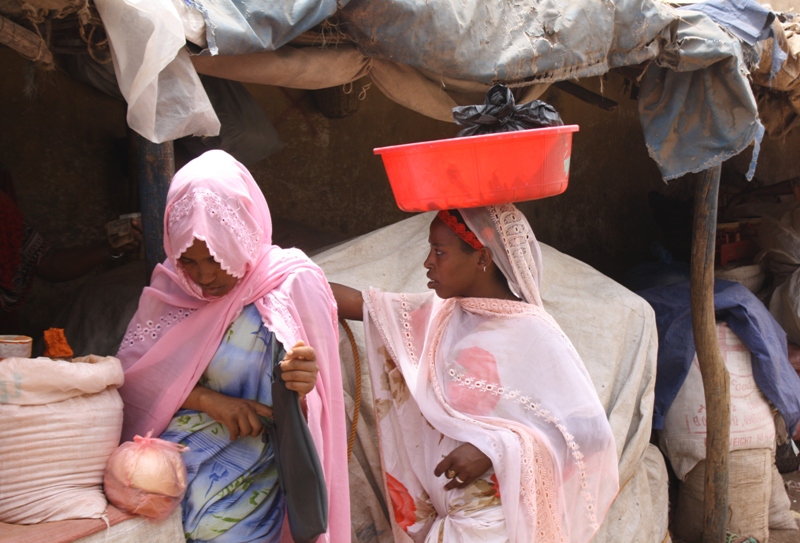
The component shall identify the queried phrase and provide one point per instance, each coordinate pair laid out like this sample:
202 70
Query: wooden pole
155 164
716 380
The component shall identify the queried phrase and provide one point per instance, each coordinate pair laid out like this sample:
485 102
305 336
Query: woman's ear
484 257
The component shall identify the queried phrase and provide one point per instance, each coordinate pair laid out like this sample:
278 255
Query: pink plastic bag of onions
146 477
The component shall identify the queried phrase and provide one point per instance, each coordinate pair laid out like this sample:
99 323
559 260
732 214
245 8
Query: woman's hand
462 466
299 368
240 417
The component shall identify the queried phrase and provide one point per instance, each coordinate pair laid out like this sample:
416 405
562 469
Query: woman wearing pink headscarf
490 428
198 356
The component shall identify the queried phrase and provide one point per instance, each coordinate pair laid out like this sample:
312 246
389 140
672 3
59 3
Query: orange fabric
460 229
56 344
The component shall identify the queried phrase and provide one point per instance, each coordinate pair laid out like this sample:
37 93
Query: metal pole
716 381
155 164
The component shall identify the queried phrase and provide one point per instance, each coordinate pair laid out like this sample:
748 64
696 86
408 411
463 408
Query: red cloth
10 240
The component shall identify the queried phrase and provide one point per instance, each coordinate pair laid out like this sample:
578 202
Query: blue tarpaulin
748 318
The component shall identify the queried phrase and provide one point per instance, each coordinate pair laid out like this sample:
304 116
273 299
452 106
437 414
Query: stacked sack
61 422
756 496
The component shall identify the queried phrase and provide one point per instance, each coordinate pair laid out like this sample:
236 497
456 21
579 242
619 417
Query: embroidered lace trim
383 325
515 239
529 404
227 216
406 316
536 479
492 307
283 313
152 329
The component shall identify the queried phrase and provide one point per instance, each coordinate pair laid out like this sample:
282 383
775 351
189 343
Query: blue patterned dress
233 494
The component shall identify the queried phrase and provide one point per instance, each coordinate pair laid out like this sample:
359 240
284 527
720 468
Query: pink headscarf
176 330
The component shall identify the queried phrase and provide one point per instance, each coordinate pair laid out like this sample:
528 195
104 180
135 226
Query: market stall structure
664 55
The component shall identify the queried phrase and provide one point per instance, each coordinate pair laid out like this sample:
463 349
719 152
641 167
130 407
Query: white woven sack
60 423
683 438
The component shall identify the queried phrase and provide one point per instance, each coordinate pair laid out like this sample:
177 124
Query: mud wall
63 144
327 173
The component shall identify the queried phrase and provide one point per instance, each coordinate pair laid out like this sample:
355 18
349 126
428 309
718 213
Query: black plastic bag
499 113
300 473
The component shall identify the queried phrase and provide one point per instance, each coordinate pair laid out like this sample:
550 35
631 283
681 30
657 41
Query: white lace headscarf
505 231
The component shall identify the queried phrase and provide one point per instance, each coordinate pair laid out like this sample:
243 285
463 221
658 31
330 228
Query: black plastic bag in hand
300 473
499 113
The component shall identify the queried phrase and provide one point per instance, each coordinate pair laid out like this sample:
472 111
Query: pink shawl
501 375
176 330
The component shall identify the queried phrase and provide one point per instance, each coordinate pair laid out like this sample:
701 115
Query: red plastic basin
479 170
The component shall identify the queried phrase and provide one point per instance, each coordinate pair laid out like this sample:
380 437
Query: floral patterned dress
422 507
233 494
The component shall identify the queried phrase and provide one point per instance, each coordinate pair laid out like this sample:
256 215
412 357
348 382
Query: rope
86 15
352 439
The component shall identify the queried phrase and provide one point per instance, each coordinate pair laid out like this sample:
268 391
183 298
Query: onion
146 476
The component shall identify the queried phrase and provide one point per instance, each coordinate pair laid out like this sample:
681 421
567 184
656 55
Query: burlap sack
749 490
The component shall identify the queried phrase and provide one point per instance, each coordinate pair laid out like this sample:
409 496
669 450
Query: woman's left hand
462 466
299 368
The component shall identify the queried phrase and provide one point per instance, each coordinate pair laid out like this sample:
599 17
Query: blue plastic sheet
696 106
508 42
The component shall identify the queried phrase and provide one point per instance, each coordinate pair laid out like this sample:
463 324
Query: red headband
460 229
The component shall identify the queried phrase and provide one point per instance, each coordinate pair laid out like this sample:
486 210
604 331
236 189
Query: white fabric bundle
61 421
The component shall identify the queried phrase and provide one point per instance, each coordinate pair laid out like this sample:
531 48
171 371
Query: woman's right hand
240 417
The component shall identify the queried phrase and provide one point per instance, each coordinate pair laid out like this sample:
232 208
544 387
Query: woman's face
201 267
451 270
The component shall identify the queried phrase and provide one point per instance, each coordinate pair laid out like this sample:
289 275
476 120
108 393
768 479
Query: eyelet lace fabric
517 241
492 308
537 478
405 313
506 232
226 214
152 330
